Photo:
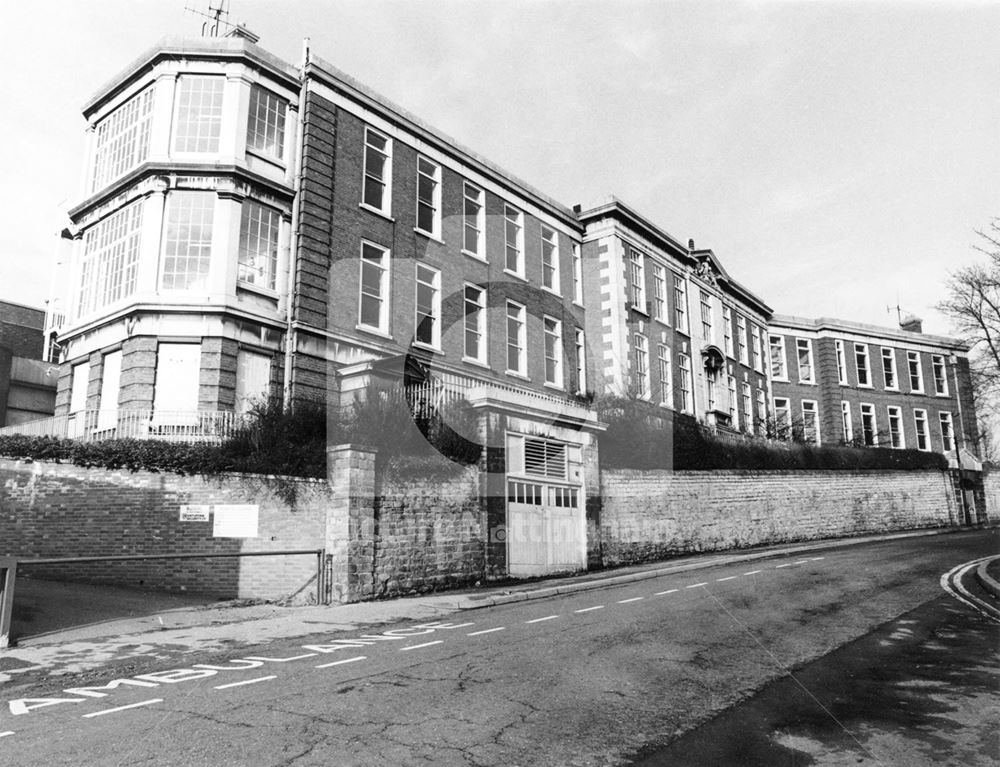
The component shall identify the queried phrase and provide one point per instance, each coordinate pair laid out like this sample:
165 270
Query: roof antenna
216 18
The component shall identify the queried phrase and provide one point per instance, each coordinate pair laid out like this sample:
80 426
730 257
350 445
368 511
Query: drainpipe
290 332
960 438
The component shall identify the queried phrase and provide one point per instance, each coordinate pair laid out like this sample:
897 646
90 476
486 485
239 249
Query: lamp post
959 438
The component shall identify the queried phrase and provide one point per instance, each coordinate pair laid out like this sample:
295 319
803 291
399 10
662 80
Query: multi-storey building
27 381
673 327
843 382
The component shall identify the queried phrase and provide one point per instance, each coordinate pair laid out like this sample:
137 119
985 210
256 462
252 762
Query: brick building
27 381
843 382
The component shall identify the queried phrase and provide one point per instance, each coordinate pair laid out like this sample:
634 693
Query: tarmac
146 628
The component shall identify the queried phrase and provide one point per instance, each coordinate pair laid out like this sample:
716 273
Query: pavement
153 629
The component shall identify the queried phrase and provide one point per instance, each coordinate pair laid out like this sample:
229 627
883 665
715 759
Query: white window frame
868 411
734 409
895 416
756 349
549 243
260 238
266 118
761 407
370 177
913 358
79 384
889 377
383 266
660 311
111 374
246 361
947 427
121 139
552 351
810 408
940 381
581 361
779 364
189 252
429 278
805 344
782 417
200 129
513 219
686 383
705 302
845 422
577 274
110 265
473 220
642 382
921 429
474 308
727 331
742 346
666 375
429 172
841 362
637 279
680 304
861 352
517 340
747 397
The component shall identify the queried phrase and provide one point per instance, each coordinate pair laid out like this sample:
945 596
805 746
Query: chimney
690 244
240 30
912 324
578 209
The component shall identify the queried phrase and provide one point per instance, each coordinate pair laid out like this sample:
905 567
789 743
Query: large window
741 339
734 410
706 315
810 421
187 246
761 408
757 348
78 387
266 122
428 319
680 304
896 438
916 372
553 351
660 293
641 365
198 117
841 363
803 348
516 339
727 331
122 139
373 298
889 368
581 362
514 240
686 382
782 417
177 374
111 375
869 428
258 258
475 323
779 370
845 421
577 274
861 363
747 407
550 260
947 432
637 275
666 378
253 379
940 375
428 197
920 428
474 216
110 260
378 171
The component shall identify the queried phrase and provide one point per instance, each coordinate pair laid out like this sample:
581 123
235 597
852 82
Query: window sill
377 212
250 287
864 386
557 387
427 347
428 235
277 162
477 363
892 388
553 291
516 374
374 331
515 274
474 256
944 395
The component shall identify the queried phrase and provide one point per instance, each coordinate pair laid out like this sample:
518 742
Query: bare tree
973 305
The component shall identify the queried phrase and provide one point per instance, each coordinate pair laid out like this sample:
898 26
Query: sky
836 156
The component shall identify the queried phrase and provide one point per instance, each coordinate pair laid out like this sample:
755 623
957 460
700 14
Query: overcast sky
837 157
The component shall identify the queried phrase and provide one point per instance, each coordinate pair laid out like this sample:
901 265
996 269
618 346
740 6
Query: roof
833 325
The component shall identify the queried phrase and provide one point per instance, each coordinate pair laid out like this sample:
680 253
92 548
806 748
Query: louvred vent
544 459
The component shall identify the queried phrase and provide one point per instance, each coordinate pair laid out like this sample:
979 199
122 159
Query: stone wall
50 510
991 484
648 515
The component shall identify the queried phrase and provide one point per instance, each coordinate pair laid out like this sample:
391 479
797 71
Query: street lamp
953 360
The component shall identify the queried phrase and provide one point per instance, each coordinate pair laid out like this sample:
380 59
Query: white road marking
245 681
753 572
626 601
461 625
696 585
281 660
661 593
730 578
342 662
951 582
803 561
5 734
123 708
486 631
816 559
588 609
546 618
778 567
418 646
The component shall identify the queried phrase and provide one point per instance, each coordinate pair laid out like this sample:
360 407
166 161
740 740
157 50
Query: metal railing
9 565
170 425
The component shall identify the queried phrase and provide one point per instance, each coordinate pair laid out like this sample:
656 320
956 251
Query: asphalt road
594 678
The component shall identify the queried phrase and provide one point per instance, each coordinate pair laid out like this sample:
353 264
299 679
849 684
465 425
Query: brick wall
57 510
648 515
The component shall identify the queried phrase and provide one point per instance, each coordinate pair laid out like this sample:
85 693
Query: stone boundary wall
52 510
991 485
649 515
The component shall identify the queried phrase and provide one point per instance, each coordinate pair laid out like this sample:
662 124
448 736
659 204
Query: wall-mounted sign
196 512
235 521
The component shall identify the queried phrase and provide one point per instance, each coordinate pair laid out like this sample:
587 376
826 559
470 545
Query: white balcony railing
173 426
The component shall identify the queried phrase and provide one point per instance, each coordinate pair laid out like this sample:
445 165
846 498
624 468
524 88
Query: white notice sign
236 521
198 512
